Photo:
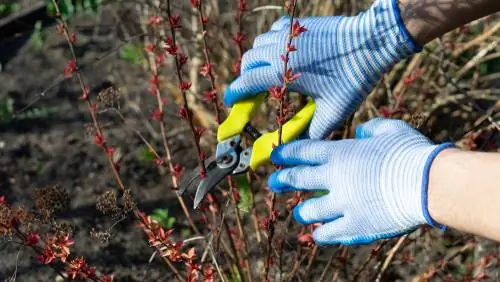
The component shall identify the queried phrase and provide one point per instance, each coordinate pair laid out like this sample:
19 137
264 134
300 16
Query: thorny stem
298 261
326 267
189 115
214 95
285 81
166 146
214 98
241 230
97 127
233 248
374 254
240 36
281 243
390 256
22 237
255 218
280 134
343 259
312 258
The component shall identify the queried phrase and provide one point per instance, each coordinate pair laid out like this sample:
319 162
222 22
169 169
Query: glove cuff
391 30
425 184
412 44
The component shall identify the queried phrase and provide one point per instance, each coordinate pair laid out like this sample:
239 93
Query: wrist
407 176
464 192
435 173
412 24
406 27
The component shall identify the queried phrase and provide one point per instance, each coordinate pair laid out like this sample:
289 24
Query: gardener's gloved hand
340 59
376 183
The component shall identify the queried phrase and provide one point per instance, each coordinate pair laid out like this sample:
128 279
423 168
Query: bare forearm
464 192
427 20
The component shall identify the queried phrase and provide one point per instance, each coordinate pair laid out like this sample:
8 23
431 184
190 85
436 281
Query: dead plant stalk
99 133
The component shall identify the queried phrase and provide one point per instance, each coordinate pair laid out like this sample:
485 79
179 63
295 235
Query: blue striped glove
376 183
340 58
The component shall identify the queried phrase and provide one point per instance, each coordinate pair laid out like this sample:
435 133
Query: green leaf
70 7
170 222
161 213
245 193
132 53
37 39
235 278
162 217
146 155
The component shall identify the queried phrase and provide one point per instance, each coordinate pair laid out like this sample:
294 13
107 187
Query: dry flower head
51 200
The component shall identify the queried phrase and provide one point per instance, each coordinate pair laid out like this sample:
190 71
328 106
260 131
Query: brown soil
53 149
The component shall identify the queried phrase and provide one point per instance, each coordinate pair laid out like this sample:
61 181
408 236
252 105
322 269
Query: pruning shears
231 158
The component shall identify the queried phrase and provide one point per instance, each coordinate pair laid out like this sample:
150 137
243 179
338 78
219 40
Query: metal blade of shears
192 179
210 181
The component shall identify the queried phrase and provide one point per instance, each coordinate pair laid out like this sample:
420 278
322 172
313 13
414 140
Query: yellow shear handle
242 112
262 147
240 115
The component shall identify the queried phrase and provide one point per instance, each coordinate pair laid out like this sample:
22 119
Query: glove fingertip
276 156
275 185
280 23
229 97
364 130
297 216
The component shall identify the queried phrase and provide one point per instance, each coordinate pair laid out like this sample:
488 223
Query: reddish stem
213 91
215 102
95 123
166 146
189 115
242 7
281 117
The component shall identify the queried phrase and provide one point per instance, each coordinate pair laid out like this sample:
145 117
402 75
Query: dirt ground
52 148
46 145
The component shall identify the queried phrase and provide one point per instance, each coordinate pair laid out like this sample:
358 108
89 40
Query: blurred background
450 91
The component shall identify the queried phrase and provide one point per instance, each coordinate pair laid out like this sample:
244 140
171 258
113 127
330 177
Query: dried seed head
5 220
51 200
102 236
417 120
109 97
106 203
23 215
62 229
128 201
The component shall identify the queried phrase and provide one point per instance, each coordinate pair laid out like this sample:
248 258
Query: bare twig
390 256
281 116
99 135
207 69
183 87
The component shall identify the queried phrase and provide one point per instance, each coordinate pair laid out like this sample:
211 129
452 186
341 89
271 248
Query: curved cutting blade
213 178
192 179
